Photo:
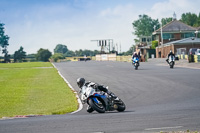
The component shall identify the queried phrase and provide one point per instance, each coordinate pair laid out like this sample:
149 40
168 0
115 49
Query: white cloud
167 8
118 24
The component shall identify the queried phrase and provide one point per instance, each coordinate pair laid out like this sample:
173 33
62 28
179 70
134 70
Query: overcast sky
35 24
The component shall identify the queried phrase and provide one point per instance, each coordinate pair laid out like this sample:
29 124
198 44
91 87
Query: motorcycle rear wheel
96 107
121 106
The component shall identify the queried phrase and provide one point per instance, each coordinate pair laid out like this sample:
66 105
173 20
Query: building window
143 39
168 36
186 35
146 39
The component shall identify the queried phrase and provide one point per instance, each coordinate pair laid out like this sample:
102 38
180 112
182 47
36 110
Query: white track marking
161 128
79 100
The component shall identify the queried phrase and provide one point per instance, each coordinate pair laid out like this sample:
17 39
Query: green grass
33 88
25 65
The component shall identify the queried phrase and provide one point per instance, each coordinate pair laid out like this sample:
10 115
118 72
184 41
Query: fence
124 58
190 58
101 58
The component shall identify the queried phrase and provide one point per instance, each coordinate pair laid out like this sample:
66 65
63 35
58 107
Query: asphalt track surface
157 99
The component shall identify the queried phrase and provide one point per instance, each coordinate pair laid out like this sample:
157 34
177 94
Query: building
175 35
178 47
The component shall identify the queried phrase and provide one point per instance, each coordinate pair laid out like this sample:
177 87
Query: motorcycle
171 61
100 101
135 62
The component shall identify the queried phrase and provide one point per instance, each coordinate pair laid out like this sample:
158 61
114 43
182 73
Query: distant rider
135 55
170 54
85 58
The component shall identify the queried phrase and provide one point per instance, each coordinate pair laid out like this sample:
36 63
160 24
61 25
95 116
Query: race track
157 99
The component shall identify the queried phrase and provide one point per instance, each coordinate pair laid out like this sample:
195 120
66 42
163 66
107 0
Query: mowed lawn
34 89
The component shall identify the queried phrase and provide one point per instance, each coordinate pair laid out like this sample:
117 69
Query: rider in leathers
135 55
170 54
81 84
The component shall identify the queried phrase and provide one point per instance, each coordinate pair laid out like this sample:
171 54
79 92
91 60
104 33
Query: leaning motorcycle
135 62
100 101
171 61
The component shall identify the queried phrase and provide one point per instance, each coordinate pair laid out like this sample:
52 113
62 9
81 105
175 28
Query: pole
161 34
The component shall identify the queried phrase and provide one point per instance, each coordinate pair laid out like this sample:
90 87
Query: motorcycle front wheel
97 107
171 64
136 66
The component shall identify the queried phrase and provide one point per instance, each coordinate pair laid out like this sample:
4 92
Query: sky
35 24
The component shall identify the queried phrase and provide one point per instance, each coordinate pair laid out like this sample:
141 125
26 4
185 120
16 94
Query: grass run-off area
34 88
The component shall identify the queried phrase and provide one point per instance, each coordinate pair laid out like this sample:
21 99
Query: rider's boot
167 60
112 94
90 109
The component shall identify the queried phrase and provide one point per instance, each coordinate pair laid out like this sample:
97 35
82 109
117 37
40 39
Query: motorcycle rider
82 83
170 54
135 55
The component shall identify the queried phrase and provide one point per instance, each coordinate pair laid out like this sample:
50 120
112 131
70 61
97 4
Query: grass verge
33 88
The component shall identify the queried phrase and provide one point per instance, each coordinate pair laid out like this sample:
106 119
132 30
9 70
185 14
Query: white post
161 34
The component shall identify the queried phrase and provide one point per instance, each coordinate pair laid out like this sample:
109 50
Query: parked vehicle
100 101
176 57
192 51
135 62
197 52
171 61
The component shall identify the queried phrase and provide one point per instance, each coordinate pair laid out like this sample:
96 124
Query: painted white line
161 128
78 99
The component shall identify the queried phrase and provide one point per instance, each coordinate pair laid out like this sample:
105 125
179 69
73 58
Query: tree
154 44
144 26
166 20
190 19
96 52
198 21
60 48
130 51
57 56
31 57
19 55
43 55
69 53
4 43
79 52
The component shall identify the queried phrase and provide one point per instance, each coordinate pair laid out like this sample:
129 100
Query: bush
57 56
43 55
154 44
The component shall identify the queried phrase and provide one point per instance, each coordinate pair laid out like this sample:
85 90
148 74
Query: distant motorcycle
135 62
100 101
171 61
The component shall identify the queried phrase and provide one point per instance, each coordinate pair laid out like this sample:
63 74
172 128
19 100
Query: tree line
144 26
